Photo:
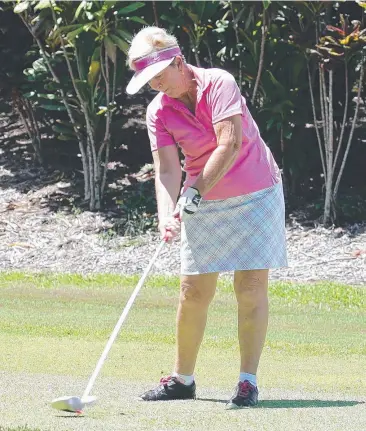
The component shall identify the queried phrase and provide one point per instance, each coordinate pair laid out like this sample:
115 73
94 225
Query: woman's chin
174 94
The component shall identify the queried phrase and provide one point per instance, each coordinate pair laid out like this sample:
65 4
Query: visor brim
142 77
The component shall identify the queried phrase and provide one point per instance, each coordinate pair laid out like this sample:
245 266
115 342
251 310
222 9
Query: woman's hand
188 202
169 228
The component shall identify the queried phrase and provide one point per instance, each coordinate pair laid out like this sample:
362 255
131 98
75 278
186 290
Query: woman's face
171 80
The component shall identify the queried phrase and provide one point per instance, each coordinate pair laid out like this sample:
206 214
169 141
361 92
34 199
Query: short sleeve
158 135
224 97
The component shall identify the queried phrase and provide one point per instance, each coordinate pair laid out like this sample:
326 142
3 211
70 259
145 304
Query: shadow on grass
293 404
299 404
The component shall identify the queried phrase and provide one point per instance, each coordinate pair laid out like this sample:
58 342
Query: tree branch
261 56
316 122
340 173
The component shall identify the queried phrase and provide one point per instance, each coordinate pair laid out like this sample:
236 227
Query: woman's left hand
188 202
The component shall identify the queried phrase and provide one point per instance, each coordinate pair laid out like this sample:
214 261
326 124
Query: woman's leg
251 289
196 295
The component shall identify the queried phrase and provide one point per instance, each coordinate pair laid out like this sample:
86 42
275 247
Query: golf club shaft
121 320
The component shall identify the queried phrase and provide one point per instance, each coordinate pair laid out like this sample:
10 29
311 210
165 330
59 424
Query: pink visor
150 65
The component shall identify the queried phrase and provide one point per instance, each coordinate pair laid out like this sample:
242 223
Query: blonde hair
148 40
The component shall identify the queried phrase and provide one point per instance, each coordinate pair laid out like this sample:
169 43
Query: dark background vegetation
208 36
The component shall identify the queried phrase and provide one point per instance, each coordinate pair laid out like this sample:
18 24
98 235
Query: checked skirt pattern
239 233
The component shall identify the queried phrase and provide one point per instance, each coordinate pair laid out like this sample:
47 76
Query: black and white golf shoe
170 388
245 395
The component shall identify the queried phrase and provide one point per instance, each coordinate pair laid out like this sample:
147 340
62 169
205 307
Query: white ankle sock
252 378
186 380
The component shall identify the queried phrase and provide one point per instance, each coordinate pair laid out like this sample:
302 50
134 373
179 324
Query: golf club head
72 404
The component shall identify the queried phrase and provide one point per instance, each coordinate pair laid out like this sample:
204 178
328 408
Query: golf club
74 404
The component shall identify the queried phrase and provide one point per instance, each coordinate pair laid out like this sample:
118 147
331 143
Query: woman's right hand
169 228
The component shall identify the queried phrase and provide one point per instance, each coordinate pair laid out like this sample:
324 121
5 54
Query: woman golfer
230 212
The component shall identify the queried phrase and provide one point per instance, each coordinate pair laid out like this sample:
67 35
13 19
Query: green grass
58 325
320 323
327 294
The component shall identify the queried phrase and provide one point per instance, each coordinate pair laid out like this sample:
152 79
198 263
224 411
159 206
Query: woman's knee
197 290
251 287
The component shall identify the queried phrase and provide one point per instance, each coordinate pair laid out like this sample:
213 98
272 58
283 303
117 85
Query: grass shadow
293 404
303 404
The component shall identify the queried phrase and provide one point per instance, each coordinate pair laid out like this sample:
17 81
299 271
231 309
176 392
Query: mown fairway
54 328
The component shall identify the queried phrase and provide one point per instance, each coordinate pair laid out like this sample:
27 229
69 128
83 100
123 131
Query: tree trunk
316 123
156 16
340 173
284 166
26 113
104 178
328 205
237 46
261 57
344 115
90 165
194 49
37 140
324 104
84 162
210 54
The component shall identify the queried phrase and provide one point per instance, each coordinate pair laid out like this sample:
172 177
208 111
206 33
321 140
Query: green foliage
131 8
351 208
138 207
13 50
195 19
227 34
82 47
89 28
340 43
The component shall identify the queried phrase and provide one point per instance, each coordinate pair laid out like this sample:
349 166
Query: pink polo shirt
170 122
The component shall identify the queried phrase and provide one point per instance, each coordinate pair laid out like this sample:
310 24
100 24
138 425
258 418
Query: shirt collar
202 76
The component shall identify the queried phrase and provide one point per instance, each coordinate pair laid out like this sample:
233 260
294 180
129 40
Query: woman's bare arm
168 177
229 140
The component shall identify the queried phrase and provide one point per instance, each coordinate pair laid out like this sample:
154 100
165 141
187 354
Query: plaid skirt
240 233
